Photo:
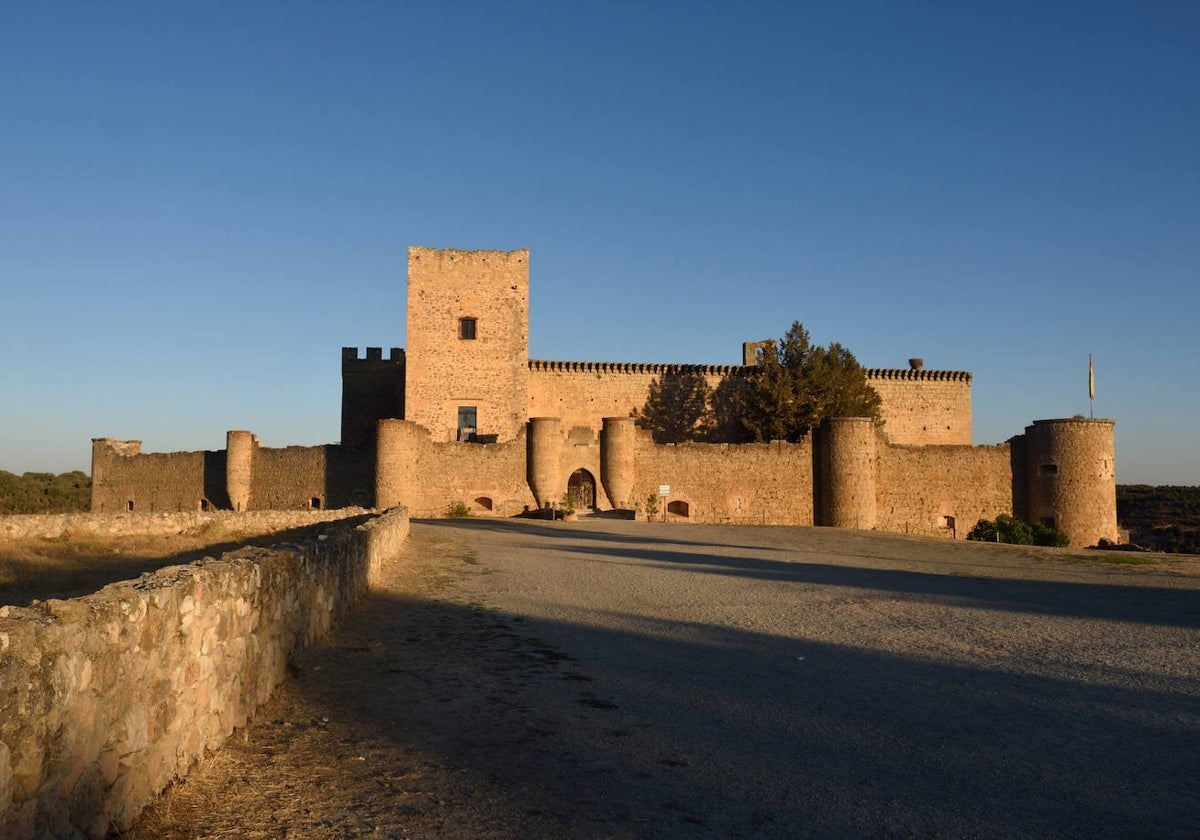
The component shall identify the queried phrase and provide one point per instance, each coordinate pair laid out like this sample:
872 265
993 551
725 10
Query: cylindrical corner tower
543 458
618 443
848 466
239 467
398 444
1073 478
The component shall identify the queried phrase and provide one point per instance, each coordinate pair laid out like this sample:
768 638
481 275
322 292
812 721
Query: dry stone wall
107 698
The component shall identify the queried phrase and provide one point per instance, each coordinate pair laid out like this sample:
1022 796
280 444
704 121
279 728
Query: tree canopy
799 385
794 387
677 408
44 492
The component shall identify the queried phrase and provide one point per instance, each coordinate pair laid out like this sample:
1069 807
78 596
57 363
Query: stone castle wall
924 407
584 393
919 487
124 479
294 477
245 476
920 408
749 483
446 371
105 699
427 476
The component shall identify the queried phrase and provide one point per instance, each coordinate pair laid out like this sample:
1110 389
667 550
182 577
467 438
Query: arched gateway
581 487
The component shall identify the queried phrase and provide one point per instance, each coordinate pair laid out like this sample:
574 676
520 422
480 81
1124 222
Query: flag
1091 379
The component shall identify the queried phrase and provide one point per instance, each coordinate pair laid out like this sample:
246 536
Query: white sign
664 490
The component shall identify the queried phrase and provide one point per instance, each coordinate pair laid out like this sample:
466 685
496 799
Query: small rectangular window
467 423
466 328
1048 469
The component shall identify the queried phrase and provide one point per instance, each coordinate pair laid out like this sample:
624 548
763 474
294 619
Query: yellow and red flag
1091 379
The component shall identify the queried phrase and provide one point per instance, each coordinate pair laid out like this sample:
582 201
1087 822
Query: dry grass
74 565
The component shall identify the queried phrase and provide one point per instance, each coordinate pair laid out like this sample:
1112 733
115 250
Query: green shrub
1045 535
651 507
458 510
1008 529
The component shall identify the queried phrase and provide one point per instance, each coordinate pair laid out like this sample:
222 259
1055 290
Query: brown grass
74 565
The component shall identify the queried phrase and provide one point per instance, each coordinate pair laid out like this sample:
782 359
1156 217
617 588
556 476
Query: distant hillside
1163 518
45 492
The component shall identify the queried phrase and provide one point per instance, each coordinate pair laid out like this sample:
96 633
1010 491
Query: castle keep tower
1073 478
467 357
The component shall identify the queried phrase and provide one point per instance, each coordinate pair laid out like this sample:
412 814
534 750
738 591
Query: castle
463 415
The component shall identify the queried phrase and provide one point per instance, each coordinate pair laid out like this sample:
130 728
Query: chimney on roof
916 364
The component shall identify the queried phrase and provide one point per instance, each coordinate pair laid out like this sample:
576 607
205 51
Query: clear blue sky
200 203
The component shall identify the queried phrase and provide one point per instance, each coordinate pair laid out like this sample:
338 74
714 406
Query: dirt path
612 679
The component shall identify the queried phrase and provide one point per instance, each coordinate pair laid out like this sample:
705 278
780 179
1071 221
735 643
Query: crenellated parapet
918 375
351 357
542 365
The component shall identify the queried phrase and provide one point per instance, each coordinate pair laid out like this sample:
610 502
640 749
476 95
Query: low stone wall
249 524
105 699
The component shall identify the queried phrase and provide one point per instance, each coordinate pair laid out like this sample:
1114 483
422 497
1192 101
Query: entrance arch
581 487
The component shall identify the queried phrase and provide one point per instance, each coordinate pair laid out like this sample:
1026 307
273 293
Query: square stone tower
467 353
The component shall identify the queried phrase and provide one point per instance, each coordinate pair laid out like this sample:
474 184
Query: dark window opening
467 423
314 503
1048 469
466 328
484 503
678 508
204 504
129 506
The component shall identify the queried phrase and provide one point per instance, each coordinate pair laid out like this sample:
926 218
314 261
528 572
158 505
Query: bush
651 507
458 510
1045 535
1008 529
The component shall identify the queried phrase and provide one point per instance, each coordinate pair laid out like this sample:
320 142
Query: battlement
374 354
918 375
632 367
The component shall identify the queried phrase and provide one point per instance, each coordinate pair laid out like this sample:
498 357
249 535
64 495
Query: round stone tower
239 467
398 444
848 472
1072 478
544 459
618 442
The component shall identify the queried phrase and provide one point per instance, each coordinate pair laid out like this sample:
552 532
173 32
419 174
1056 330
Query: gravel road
617 679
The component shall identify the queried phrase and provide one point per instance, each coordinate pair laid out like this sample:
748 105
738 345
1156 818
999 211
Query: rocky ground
619 679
